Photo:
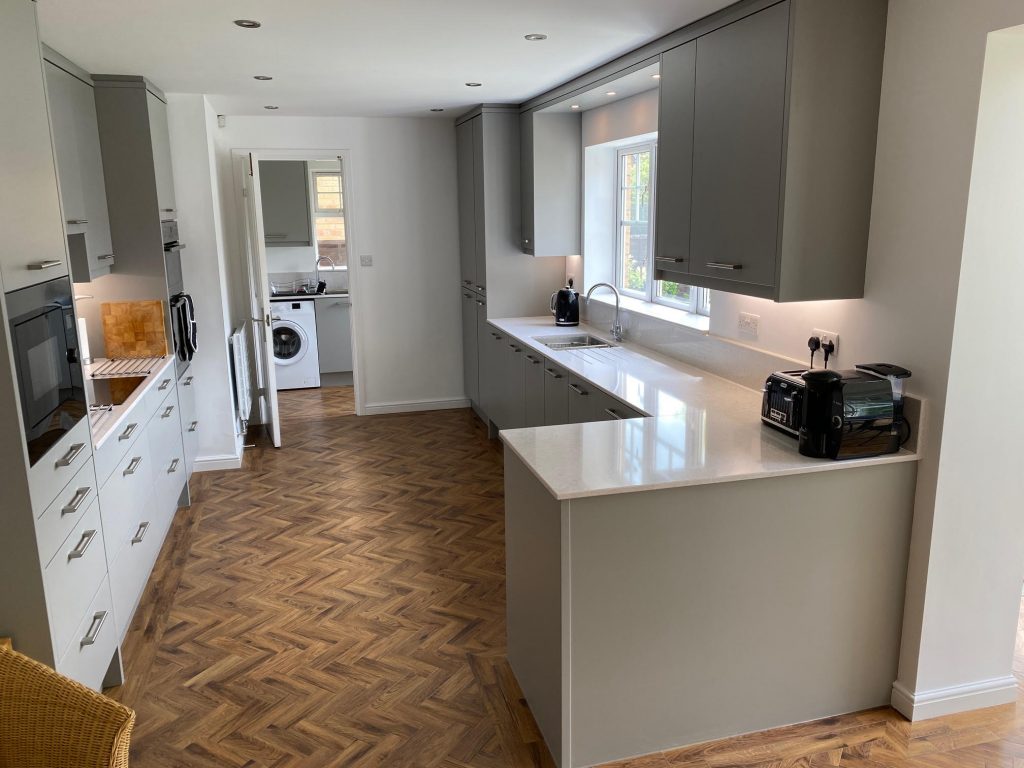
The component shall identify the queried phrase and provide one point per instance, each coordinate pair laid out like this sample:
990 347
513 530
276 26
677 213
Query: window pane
328 183
328 192
634 225
330 240
328 201
634 257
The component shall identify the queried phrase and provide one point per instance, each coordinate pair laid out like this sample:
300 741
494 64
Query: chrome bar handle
532 359
77 222
141 533
167 412
132 466
721 265
105 257
577 390
552 373
83 545
188 381
174 466
611 412
670 259
40 265
193 426
76 501
94 629
164 385
71 455
128 431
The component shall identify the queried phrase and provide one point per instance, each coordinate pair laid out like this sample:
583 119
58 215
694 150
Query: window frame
324 213
700 298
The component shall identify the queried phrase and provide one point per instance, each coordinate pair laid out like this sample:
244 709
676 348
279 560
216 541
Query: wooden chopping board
134 328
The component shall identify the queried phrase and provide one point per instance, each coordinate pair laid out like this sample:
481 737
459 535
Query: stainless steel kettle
565 305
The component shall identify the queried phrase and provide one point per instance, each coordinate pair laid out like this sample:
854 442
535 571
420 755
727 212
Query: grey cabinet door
514 409
334 334
467 202
492 371
556 394
161 155
675 160
581 404
552 156
534 385
76 143
526 180
470 348
604 407
479 232
284 187
740 101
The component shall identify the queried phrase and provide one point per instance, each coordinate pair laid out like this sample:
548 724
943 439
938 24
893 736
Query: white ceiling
356 57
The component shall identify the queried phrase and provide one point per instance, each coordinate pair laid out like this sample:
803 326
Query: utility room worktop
702 428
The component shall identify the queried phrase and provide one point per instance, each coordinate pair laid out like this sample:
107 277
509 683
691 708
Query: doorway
296 217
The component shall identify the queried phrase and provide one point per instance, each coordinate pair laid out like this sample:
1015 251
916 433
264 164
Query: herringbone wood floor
340 602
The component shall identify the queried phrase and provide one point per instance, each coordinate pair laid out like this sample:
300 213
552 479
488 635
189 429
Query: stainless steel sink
580 341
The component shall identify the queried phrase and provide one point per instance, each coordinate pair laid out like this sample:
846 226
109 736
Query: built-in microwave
49 374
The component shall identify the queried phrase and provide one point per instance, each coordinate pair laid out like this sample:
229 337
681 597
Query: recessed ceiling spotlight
575 106
474 85
610 93
535 37
247 24
262 77
437 109
655 77
271 106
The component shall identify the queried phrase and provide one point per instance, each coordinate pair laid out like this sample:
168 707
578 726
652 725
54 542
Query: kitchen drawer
167 449
54 471
114 448
124 496
130 571
93 642
189 421
556 394
607 408
63 514
156 395
72 577
581 398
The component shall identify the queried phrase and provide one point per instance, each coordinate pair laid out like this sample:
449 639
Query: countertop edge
108 429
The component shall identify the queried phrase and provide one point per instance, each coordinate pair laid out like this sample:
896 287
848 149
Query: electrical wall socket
827 336
749 324
366 261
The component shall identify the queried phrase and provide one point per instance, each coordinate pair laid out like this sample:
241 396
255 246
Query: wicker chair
49 721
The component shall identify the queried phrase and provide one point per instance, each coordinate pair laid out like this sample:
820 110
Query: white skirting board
924 705
214 463
414 405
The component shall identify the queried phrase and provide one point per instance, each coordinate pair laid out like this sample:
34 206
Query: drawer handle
164 385
532 359
105 257
611 412
83 545
94 629
187 382
193 426
141 533
132 466
40 265
552 373
174 466
577 390
72 454
166 210
481 287
480 303
670 259
77 222
468 282
76 501
721 265
167 412
128 432
466 296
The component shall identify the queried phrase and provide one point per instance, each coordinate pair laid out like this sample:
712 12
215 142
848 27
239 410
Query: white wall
976 559
191 122
401 209
621 119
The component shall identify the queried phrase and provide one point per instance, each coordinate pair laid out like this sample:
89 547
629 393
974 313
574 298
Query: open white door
263 336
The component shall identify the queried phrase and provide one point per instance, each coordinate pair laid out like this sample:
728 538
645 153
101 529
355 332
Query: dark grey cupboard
284 188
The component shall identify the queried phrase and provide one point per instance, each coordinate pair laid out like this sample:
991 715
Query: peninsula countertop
701 428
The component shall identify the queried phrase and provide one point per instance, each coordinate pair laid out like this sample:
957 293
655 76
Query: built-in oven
183 329
46 360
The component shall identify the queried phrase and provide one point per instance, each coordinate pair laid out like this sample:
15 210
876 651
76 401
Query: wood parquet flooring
340 602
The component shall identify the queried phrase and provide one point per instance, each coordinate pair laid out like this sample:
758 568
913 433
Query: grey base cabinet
556 394
471 302
766 142
533 390
334 334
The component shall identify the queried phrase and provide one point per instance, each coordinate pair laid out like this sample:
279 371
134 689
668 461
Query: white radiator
240 373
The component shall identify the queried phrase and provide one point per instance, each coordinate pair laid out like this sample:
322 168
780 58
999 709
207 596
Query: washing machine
296 360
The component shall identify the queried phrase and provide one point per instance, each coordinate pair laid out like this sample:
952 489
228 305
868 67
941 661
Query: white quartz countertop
105 424
702 428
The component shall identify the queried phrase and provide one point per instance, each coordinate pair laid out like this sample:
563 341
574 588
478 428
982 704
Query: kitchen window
329 220
634 258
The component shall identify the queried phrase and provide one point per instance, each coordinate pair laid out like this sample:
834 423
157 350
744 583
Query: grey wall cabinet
556 394
34 247
76 143
552 166
533 390
161 139
467 203
334 334
785 113
284 185
470 347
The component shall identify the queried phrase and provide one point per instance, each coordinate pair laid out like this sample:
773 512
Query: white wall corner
216 463
924 705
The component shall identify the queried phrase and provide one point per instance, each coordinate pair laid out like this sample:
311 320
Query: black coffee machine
853 413
565 305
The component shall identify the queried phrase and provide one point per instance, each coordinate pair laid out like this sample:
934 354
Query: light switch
366 261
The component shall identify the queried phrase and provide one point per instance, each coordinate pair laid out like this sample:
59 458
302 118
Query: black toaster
782 405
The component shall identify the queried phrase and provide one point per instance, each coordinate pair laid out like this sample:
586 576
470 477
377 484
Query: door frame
351 239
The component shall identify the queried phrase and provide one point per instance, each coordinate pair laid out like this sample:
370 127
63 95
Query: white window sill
680 317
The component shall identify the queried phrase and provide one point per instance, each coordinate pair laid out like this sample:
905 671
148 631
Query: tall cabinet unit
496 278
766 141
